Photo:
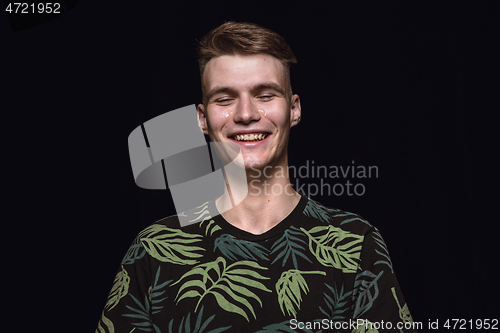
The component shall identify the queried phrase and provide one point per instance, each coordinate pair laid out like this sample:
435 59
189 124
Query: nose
246 111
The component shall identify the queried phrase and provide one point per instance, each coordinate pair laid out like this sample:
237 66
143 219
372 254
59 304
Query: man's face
246 103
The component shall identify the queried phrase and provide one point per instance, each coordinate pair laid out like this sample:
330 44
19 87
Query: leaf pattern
141 313
318 211
354 217
368 327
231 247
135 252
108 325
156 291
203 215
404 312
170 245
119 289
384 253
334 247
185 327
232 280
229 283
365 292
289 288
211 226
336 305
290 242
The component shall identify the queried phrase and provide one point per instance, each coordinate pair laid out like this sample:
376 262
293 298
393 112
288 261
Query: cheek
217 119
278 118
278 112
220 115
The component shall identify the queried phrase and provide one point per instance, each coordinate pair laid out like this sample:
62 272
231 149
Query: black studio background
381 83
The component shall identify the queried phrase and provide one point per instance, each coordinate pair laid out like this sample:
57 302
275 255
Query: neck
269 200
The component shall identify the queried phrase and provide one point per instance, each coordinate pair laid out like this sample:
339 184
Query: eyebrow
257 87
269 85
217 90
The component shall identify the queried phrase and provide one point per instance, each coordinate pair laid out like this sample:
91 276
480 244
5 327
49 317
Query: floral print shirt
318 270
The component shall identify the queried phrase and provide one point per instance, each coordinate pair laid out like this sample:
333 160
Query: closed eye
224 101
267 97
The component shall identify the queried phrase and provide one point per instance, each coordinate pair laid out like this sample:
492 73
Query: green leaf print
186 327
383 251
141 313
232 248
404 312
354 217
290 243
368 327
336 305
334 247
210 227
203 215
170 245
365 292
289 288
135 252
108 325
119 289
233 280
156 291
318 211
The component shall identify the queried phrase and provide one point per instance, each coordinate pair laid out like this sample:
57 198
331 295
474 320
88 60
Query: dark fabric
316 269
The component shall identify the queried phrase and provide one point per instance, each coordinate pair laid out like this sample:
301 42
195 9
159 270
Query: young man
275 262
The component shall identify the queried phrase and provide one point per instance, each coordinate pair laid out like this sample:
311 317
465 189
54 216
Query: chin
253 164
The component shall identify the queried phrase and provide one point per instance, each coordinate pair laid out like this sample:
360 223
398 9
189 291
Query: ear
202 118
295 110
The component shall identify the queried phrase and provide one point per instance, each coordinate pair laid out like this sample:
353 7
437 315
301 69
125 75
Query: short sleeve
128 304
378 302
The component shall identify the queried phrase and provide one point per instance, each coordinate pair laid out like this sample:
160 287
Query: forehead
240 71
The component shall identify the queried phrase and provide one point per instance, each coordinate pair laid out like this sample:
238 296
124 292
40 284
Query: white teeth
250 137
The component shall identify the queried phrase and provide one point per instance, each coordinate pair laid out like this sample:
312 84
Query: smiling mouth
254 137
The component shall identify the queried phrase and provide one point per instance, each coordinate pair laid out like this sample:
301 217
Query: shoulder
182 223
171 221
339 218
167 241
